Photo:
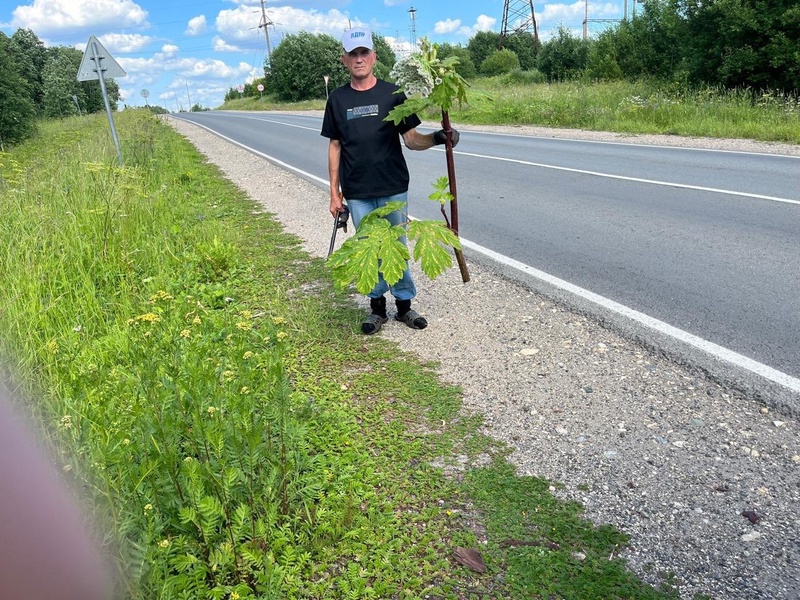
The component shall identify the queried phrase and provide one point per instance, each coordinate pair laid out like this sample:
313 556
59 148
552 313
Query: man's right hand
336 204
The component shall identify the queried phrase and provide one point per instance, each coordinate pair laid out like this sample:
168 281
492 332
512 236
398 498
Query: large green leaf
375 248
432 239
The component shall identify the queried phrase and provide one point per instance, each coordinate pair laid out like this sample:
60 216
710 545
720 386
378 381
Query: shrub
500 62
520 77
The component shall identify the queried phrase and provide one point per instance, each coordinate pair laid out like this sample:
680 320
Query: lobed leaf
432 239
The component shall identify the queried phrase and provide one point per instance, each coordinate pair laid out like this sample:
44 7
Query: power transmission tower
265 23
413 27
518 17
587 20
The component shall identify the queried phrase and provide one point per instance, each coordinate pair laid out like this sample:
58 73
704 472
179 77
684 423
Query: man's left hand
439 137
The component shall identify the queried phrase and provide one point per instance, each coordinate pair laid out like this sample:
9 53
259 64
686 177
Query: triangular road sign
97 59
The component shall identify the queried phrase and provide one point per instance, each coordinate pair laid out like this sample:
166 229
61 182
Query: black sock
378 306
403 306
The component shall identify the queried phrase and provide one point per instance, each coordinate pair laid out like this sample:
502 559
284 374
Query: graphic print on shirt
370 110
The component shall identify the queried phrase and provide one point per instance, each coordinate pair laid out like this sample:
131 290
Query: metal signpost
260 90
97 63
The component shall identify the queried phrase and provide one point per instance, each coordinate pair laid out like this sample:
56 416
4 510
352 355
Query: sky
179 53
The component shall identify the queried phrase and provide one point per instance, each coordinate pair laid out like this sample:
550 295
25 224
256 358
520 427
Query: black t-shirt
372 162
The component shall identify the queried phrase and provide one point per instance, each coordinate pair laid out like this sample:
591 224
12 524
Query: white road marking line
633 144
634 179
585 172
711 348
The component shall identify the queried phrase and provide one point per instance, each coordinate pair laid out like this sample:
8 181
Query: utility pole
188 97
586 21
265 23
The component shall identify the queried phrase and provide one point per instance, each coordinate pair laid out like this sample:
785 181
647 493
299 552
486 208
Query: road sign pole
96 57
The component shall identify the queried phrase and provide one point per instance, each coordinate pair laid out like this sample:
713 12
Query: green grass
643 108
234 434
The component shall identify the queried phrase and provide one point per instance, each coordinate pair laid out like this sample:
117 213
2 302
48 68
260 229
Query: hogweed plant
378 246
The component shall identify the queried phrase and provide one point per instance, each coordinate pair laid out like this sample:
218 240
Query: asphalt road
705 241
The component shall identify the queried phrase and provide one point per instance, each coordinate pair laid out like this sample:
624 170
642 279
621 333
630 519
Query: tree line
41 82
750 44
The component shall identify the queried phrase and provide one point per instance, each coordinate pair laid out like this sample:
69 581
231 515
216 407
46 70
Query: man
366 164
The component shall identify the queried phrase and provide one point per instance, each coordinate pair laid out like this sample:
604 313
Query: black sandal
373 323
413 319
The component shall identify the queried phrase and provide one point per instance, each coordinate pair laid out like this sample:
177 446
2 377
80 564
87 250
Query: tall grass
638 108
132 315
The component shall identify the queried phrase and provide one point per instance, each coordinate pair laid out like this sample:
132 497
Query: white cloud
221 45
169 49
124 42
54 16
218 69
482 23
555 13
254 74
241 24
401 47
196 26
447 26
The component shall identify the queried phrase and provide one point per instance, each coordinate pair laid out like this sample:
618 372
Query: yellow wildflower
244 391
228 375
185 333
160 295
52 347
126 442
149 318
247 355
163 544
148 508
281 335
196 321
211 410
66 421
278 320
244 326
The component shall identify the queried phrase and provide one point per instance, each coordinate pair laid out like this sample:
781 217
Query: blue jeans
404 289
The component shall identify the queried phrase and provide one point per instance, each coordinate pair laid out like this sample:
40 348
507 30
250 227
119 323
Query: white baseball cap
357 37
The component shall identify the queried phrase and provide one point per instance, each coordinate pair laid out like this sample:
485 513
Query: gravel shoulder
654 448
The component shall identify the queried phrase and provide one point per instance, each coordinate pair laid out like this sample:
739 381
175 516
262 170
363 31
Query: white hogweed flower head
412 77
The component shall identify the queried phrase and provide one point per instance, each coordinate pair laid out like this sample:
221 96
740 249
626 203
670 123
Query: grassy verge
622 107
235 436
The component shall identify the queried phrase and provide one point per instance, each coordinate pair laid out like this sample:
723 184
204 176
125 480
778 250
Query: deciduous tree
564 57
299 65
17 111
30 56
